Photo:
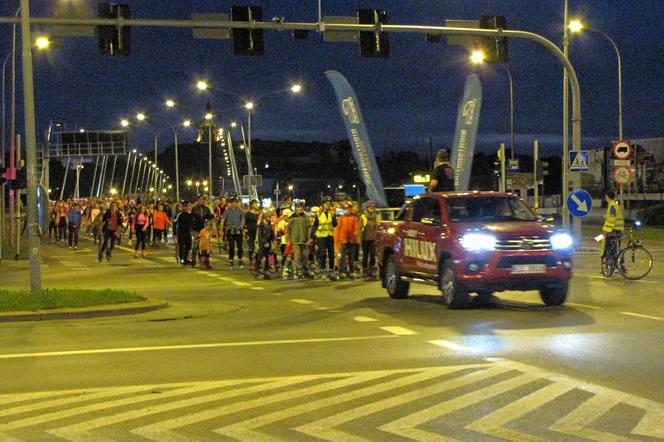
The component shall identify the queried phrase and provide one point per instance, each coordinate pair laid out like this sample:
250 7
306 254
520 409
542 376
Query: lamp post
478 57
124 182
577 26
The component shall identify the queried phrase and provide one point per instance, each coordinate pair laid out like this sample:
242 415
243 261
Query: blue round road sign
579 203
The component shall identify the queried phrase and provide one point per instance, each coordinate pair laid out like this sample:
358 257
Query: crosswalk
493 400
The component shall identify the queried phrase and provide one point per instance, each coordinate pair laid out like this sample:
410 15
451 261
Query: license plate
522 269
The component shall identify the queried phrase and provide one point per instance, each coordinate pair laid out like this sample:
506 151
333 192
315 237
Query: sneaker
75 247
70 247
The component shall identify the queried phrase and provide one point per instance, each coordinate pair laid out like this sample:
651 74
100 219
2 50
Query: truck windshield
492 209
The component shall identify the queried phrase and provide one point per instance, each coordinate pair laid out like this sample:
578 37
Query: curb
86 312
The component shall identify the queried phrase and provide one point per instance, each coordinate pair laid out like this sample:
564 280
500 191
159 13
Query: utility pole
31 148
535 175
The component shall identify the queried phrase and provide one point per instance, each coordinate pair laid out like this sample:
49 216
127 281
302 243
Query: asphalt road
239 358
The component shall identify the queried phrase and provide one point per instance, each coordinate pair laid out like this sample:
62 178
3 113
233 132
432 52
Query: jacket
160 220
613 219
324 224
348 229
298 228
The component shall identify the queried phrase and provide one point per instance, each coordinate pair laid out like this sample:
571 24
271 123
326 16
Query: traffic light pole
319 26
34 240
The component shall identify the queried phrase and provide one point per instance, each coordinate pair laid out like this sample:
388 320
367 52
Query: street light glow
189 182
290 187
140 116
233 124
477 57
202 85
249 105
81 130
170 103
186 123
42 42
575 26
208 116
124 123
134 150
241 146
114 191
205 183
296 88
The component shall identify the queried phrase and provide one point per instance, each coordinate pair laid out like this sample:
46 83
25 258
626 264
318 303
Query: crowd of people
294 240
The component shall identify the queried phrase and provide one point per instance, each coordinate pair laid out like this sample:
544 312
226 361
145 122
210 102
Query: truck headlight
561 241
477 242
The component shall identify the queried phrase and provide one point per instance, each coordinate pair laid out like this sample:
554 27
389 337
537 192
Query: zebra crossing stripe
325 428
575 423
246 430
81 431
35 420
492 424
652 424
407 426
163 431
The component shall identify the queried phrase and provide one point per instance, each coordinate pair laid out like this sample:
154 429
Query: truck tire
454 295
396 288
555 296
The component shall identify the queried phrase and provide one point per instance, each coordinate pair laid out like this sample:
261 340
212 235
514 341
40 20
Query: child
370 219
265 235
205 244
347 236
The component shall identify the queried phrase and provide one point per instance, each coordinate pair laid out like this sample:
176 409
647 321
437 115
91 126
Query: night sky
404 98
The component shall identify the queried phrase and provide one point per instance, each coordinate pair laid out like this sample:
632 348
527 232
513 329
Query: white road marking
187 347
638 315
451 345
592 307
245 430
364 319
256 288
302 301
576 422
408 426
325 428
240 283
400 331
492 424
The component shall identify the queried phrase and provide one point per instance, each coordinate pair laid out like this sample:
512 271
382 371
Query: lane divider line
592 307
189 346
399 331
364 319
451 345
302 301
638 315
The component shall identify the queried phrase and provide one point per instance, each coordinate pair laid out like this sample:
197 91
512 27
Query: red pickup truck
482 242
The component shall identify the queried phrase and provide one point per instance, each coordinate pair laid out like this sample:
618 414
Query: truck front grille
508 261
523 243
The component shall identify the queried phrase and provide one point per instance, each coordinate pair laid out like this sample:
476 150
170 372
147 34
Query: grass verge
23 300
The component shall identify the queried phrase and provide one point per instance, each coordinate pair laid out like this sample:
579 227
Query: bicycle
633 261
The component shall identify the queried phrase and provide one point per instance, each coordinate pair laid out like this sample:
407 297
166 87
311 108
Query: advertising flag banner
465 135
359 138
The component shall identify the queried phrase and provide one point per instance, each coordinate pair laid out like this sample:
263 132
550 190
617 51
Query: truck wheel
554 296
396 288
455 296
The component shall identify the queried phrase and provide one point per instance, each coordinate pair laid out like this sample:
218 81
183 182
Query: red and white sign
623 175
622 150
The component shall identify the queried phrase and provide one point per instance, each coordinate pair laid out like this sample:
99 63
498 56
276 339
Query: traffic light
247 41
373 44
495 48
114 40
541 169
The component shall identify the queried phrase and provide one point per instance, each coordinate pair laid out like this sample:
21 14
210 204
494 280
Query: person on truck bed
443 174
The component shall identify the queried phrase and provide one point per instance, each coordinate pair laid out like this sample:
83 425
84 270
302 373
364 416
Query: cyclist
614 223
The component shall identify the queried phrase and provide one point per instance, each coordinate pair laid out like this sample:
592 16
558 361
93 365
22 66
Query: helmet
370 203
286 212
300 203
315 209
327 199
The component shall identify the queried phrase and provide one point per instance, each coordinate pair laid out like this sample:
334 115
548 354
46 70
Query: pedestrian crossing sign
578 161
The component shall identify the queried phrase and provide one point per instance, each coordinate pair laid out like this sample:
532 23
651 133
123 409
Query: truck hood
511 228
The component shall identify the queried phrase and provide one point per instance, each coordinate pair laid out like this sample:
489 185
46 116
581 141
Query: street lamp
201 85
576 26
42 42
140 116
170 103
479 57
124 123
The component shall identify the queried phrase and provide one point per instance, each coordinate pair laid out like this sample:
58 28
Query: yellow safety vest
325 227
613 219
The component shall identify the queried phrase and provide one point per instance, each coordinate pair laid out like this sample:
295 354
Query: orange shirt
160 220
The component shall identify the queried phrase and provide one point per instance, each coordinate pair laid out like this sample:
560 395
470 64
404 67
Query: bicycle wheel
634 262
608 266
